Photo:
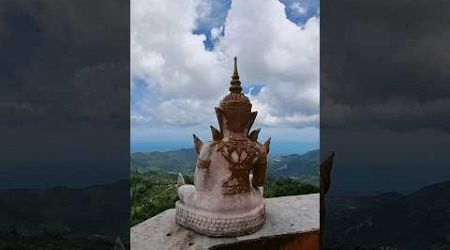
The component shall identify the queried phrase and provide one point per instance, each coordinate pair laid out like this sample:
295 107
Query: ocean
276 148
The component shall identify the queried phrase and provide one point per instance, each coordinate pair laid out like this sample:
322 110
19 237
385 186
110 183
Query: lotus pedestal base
220 225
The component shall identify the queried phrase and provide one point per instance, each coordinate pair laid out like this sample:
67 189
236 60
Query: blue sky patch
253 89
141 91
217 13
299 12
138 91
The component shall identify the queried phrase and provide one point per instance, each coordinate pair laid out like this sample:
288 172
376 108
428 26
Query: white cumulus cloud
189 80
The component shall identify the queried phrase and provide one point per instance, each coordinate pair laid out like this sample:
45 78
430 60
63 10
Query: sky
182 60
385 94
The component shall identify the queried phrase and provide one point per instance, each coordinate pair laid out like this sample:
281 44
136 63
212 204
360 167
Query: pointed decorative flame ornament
227 197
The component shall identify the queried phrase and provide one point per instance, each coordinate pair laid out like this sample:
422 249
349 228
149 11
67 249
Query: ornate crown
235 100
235 106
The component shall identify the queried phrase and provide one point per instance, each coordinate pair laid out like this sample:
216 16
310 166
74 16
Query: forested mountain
183 160
389 220
99 212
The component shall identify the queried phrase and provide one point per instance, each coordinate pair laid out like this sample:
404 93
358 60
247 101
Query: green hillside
64 218
154 192
182 160
302 167
295 165
154 176
387 221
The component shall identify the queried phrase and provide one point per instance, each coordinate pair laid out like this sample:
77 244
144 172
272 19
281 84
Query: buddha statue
227 196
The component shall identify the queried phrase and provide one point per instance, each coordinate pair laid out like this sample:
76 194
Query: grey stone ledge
285 215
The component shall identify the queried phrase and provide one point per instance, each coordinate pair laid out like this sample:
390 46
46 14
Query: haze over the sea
277 147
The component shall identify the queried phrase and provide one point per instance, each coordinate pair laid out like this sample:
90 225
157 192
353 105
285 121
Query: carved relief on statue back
241 155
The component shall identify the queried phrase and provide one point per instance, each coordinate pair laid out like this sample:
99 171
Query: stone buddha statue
227 196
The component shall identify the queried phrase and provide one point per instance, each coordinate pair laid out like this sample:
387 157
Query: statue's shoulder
215 145
207 146
263 147
260 147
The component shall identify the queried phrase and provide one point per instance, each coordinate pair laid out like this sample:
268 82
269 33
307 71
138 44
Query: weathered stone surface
284 216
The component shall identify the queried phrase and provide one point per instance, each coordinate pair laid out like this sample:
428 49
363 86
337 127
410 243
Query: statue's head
235 109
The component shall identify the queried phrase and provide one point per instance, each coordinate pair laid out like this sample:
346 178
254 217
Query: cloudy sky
181 64
385 93
64 92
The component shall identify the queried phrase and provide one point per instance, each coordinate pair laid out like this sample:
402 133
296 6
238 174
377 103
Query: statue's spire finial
235 83
235 73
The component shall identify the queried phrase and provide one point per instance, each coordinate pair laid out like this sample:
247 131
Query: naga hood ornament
227 197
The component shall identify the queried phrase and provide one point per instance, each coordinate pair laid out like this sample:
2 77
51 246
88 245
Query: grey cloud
387 64
64 92
64 61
